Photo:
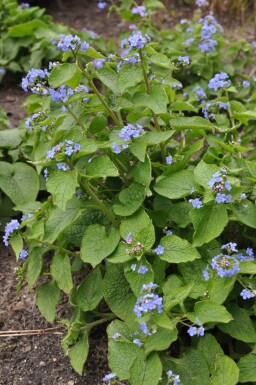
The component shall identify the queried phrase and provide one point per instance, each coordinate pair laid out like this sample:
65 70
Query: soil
38 359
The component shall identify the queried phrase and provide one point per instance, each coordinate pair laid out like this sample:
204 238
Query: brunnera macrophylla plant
146 217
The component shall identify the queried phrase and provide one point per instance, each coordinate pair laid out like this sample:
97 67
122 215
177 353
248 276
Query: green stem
101 205
75 117
54 247
88 327
95 89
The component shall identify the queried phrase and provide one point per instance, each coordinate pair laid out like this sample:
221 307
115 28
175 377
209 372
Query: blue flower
173 378
133 267
246 83
219 82
206 274
69 42
142 270
108 378
225 265
184 60
169 159
147 303
199 93
159 250
102 4
245 294
137 342
23 255
196 203
116 336
9 229
140 10
144 328
231 246
116 148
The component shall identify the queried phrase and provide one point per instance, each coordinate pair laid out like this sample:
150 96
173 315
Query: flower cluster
173 379
248 293
228 264
127 133
136 250
196 331
72 42
149 301
221 185
209 28
68 147
24 5
63 93
136 40
35 81
9 229
30 121
140 10
201 95
219 82
196 203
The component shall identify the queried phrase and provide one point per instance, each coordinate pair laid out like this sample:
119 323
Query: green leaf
26 29
10 138
183 106
245 212
16 242
47 297
241 328
245 116
58 220
176 185
161 340
161 60
66 73
90 293
157 100
193 272
19 181
146 371
219 289
78 353
247 267
135 279
247 365
98 124
195 122
61 271
129 76
109 78
152 138
204 172
122 352
208 221
120 255
179 213
62 186
192 368
208 311
35 264
91 52
226 371
141 173
130 200
138 148
140 226
175 296
211 349
117 293
97 245
101 167
177 250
